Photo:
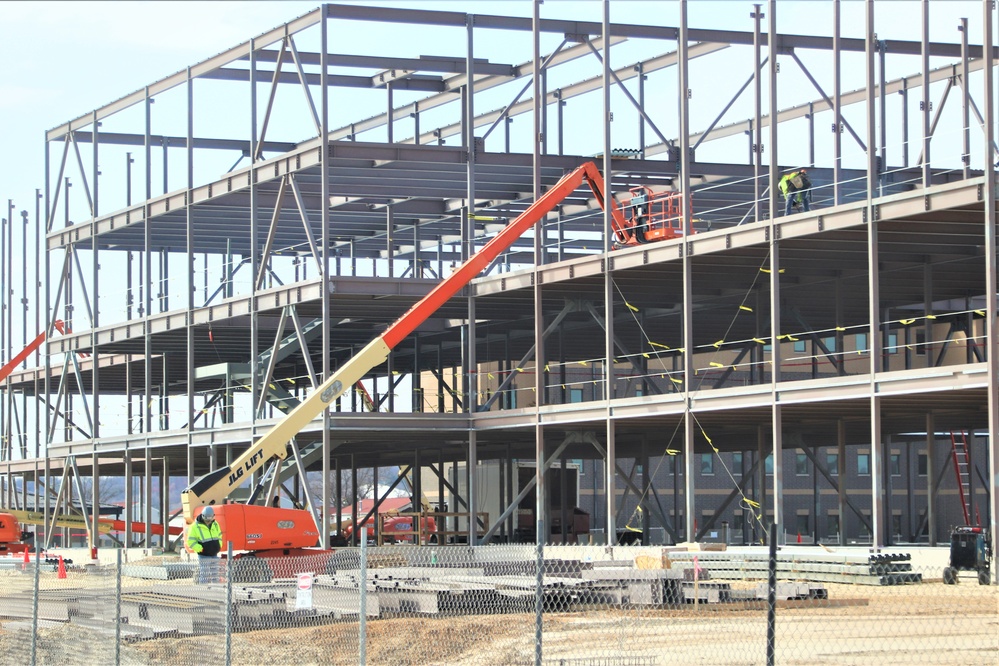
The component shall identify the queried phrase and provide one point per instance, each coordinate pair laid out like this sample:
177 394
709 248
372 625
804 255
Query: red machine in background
12 537
650 217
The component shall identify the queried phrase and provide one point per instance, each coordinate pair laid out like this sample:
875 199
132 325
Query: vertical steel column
870 49
757 137
988 110
688 278
6 349
904 92
147 495
47 305
95 494
254 254
775 304
95 315
4 341
189 245
641 103
609 480
560 116
324 163
882 47
841 504
469 371
147 275
837 106
811 135
926 103
130 492
873 296
540 489
965 106
389 114
390 247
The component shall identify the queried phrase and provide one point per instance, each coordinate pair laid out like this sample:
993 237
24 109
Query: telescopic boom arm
215 487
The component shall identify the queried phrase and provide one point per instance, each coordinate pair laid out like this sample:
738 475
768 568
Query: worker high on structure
796 189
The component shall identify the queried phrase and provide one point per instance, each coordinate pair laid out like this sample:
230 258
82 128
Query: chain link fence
501 604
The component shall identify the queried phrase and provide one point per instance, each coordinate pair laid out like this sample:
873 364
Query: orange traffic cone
799 537
27 560
61 572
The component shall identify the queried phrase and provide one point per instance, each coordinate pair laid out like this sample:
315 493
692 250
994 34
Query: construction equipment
288 530
12 537
650 216
394 525
970 550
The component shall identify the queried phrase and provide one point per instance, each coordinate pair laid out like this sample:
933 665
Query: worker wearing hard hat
797 190
204 537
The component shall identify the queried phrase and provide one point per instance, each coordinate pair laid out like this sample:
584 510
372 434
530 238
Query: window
575 395
707 464
737 461
893 343
639 393
799 345
896 464
861 339
832 462
769 464
801 464
864 464
832 526
830 343
921 464
801 523
865 521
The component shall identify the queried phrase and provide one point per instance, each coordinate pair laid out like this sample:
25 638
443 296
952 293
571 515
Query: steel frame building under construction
838 364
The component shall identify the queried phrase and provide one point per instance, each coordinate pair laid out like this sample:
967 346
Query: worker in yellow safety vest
796 188
204 537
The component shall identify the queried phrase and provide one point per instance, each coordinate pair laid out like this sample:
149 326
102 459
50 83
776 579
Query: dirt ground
926 623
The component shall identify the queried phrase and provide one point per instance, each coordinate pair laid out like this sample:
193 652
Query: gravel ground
925 623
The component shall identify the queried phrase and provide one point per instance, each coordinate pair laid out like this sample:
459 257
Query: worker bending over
797 190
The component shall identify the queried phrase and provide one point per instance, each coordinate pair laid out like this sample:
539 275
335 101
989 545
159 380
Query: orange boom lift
651 217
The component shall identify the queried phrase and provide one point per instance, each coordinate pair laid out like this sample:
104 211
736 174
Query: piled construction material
165 571
873 569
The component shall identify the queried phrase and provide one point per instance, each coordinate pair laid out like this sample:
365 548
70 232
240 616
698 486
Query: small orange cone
799 537
61 573
27 560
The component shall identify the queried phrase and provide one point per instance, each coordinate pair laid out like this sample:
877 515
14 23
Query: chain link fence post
228 604
772 597
34 607
362 582
539 598
117 608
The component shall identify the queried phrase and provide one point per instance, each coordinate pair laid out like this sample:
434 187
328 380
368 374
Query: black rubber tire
984 577
949 576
